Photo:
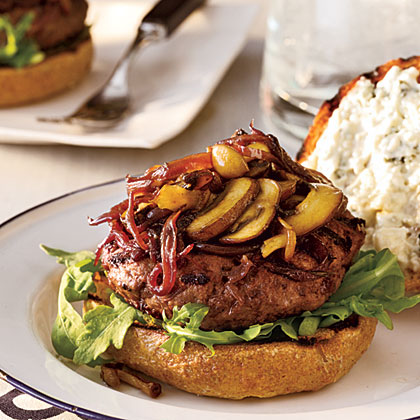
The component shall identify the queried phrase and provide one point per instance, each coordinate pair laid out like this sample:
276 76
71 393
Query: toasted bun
55 74
244 370
412 279
412 282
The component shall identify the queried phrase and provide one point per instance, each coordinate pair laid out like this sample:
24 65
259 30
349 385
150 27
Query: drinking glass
315 46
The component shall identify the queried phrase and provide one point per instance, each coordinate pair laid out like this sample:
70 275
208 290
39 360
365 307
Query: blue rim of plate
32 391
82 412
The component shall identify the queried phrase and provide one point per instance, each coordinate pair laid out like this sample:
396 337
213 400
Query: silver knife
108 106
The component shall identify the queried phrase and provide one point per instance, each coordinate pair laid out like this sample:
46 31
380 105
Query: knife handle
171 13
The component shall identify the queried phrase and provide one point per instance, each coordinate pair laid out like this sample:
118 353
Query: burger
231 273
365 140
45 48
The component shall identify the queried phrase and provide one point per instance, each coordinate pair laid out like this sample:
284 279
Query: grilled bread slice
237 371
321 119
375 162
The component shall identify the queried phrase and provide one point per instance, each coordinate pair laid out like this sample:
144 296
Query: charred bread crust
53 75
237 371
321 119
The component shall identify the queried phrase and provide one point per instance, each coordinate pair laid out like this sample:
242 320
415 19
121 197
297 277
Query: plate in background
171 81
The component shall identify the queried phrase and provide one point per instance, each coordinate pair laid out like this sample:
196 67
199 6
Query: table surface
30 175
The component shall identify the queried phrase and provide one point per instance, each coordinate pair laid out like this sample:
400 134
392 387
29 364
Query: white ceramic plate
171 81
384 384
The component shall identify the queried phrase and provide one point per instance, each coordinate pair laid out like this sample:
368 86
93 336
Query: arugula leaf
376 273
184 326
75 285
83 340
309 325
69 258
19 51
373 285
104 326
396 306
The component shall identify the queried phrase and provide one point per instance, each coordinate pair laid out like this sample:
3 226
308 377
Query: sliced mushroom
288 188
320 205
174 197
257 217
224 211
258 146
228 162
258 168
273 244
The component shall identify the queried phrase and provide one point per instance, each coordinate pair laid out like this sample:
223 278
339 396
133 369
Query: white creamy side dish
371 150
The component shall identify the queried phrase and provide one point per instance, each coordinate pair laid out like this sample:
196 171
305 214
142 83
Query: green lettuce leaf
75 285
104 325
69 258
372 286
19 51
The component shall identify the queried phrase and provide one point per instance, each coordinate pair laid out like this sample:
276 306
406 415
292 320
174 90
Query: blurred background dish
45 48
170 82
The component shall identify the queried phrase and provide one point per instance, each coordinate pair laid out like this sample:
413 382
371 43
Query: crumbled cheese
371 150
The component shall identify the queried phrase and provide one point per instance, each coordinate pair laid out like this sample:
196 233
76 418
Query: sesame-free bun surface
55 74
238 371
412 282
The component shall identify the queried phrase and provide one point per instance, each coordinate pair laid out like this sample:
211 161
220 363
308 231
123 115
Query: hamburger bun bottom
412 282
243 370
56 73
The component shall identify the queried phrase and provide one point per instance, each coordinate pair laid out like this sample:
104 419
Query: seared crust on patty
238 371
272 289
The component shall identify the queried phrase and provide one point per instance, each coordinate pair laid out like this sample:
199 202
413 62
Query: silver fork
111 103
